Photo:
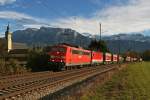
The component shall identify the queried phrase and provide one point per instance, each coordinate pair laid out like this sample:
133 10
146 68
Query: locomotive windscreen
59 49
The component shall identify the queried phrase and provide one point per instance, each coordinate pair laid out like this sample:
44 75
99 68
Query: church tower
8 36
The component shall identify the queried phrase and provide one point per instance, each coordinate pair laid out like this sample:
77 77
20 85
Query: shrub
146 55
2 66
37 61
11 67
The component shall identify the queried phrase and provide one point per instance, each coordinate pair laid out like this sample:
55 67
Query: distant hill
50 36
126 45
136 42
130 37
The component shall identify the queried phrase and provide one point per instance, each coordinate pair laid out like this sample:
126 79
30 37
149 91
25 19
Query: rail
50 82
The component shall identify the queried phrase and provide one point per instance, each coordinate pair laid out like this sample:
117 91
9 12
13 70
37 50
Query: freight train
63 57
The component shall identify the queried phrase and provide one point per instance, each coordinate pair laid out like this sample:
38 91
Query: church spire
8 27
8 37
7 31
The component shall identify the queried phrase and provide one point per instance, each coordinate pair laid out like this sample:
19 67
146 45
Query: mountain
126 45
88 35
50 36
129 37
136 42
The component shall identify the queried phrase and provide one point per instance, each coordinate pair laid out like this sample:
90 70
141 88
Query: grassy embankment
132 83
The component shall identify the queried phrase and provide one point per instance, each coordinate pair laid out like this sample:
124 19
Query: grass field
132 83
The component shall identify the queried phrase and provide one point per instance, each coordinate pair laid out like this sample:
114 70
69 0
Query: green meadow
132 83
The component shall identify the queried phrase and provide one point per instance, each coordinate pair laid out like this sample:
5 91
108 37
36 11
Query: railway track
48 81
8 81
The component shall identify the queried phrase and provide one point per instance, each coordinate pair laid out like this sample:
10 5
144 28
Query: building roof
19 46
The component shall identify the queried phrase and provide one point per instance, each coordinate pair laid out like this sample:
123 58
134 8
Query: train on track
63 57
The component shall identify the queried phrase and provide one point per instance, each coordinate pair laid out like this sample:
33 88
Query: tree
2 46
37 60
98 46
133 54
146 55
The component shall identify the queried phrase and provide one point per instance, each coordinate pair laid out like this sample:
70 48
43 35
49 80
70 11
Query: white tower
8 36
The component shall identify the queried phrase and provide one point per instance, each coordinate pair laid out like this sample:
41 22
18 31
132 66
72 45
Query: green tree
132 54
2 46
37 60
98 46
146 55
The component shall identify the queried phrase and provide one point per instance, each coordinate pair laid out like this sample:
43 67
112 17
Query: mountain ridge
50 36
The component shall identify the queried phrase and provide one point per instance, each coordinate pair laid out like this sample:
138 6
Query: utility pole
119 40
119 44
100 31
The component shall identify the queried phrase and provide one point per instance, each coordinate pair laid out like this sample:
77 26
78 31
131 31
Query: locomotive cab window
60 49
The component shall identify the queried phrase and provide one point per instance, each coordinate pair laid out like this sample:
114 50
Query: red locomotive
66 57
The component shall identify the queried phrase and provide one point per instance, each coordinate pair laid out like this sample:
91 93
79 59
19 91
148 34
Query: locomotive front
57 57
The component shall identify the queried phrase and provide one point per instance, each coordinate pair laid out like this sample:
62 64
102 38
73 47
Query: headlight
63 57
52 57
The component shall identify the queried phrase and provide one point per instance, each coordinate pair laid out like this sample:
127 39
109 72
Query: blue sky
116 16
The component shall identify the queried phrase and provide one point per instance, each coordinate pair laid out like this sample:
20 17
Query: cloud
80 24
108 3
131 17
13 15
23 20
4 2
134 17
37 26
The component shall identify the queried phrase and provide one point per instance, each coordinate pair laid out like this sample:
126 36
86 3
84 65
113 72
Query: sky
84 16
